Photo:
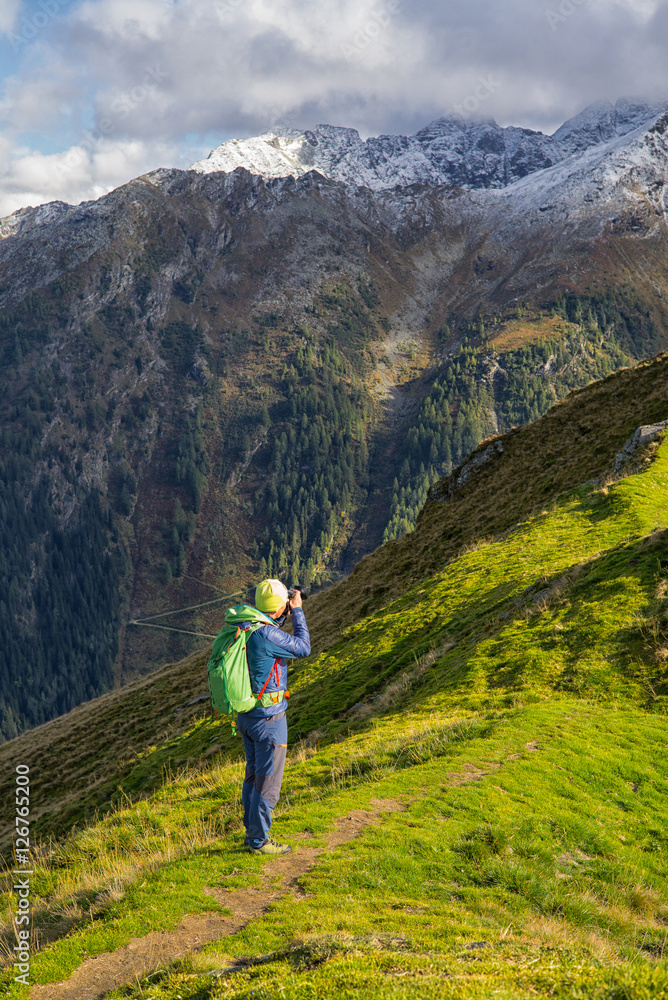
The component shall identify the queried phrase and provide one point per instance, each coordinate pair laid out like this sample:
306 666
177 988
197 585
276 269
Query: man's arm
291 646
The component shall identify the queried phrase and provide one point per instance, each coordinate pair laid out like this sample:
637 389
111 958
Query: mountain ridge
213 377
456 151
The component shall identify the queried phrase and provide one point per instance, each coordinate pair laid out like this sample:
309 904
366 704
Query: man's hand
296 601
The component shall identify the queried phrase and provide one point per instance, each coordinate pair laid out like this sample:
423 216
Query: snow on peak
604 121
27 218
451 151
269 155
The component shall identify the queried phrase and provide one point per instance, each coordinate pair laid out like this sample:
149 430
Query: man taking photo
265 728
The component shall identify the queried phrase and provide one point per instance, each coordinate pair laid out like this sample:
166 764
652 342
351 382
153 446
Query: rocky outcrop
446 488
642 436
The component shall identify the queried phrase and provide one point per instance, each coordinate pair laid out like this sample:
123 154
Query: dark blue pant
265 743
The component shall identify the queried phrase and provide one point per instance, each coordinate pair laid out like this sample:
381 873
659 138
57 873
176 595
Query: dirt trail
97 976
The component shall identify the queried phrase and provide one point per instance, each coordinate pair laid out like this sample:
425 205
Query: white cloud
9 12
126 22
80 173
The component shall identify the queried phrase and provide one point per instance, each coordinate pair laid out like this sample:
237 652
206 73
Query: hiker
265 728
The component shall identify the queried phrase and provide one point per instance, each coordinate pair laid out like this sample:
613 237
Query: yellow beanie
270 596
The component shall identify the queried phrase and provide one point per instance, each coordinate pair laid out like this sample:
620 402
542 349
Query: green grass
553 859
515 703
567 601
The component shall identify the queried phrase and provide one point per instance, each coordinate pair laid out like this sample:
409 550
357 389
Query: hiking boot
271 848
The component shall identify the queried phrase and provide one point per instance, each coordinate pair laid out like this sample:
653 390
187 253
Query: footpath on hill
97 976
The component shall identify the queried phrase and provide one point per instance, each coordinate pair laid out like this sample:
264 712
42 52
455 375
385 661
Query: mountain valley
217 373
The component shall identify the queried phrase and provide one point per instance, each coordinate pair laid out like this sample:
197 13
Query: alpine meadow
426 378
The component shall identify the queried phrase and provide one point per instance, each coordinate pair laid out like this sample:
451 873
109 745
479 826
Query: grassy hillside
508 697
96 745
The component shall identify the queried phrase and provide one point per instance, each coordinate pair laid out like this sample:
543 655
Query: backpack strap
236 636
275 673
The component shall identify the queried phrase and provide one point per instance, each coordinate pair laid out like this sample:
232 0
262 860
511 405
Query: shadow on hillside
327 700
585 599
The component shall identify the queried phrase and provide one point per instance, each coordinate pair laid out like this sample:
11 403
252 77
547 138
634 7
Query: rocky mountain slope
210 375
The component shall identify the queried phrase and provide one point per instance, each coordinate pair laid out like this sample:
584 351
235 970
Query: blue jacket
267 645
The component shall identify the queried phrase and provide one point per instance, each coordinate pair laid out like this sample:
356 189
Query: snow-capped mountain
600 123
452 151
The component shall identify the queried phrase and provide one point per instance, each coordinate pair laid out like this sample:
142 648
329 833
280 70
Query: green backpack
229 680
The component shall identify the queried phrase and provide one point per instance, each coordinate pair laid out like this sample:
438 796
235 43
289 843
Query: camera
293 590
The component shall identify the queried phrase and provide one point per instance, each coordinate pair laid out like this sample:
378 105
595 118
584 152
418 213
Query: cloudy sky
94 92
